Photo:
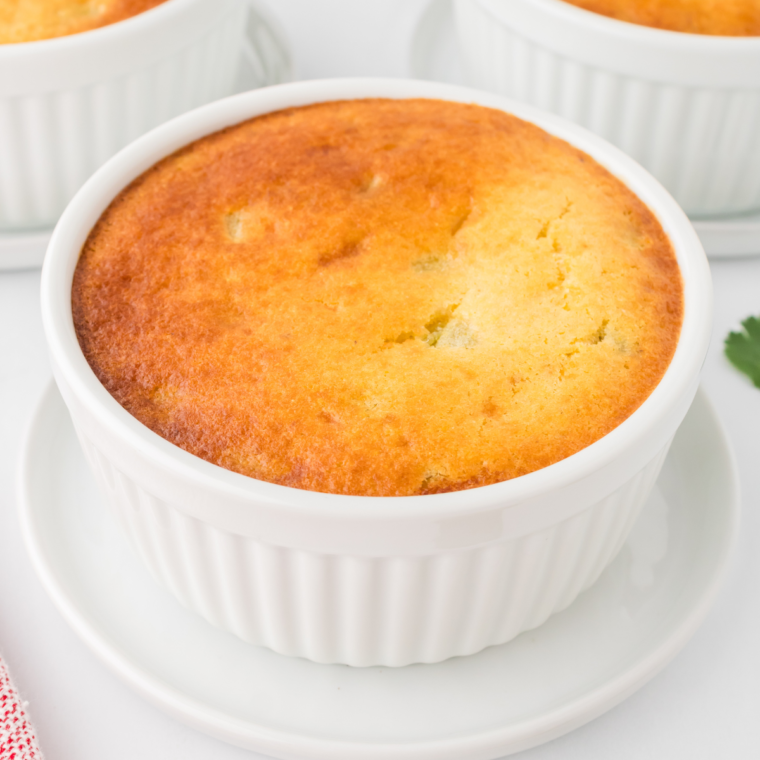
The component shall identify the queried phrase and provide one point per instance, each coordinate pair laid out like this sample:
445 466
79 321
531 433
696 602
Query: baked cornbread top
728 18
30 20
379 297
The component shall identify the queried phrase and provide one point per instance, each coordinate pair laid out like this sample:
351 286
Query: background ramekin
685 106
363 580
68 104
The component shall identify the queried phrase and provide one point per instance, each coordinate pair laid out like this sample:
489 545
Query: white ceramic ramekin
685 106
68 104
363 580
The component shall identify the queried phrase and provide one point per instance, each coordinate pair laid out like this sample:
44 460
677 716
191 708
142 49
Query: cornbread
379 297
728 18
29 20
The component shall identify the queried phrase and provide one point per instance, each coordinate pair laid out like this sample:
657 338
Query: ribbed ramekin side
702 143
51 142
366 611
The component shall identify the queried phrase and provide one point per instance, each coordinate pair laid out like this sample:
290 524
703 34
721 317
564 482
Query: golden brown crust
728 18
30 20
379 297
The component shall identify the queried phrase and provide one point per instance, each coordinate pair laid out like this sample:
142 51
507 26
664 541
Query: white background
706 704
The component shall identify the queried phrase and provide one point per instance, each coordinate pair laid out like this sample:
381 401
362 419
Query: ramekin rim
65 351
101 35
636 33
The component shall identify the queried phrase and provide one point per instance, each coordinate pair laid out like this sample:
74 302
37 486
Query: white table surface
705 705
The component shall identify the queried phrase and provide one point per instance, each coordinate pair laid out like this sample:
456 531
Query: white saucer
265 61
546 682
434 55
729 238
266 56
23 250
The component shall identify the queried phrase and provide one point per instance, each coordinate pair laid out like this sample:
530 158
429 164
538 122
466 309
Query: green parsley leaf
743 349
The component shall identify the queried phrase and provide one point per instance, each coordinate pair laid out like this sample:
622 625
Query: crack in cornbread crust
729 18
379 297
30 20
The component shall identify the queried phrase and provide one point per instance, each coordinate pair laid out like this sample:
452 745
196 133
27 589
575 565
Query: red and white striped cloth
17 739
